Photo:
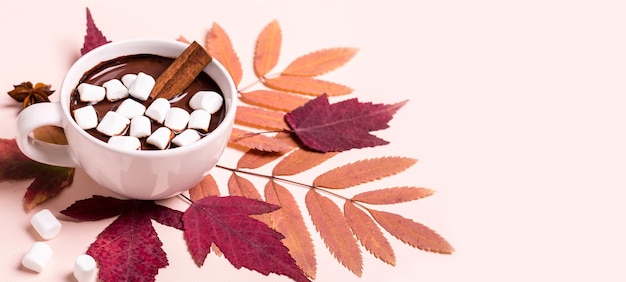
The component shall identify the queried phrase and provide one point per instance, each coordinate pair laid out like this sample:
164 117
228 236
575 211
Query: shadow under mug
145 175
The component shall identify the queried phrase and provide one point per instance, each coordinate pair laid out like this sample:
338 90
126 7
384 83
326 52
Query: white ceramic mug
146 175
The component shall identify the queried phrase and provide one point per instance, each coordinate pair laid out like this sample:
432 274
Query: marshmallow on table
142 86
158 109
209 101
46 224
140 127
160 138
199 119
91 93
128 79
84 268
176 119
130 108
113 124
186 137
37 256
86 117
125 142
115 90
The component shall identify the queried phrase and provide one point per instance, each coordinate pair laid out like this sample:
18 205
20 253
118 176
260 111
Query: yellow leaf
392 195
320 62
261 118
306 85
369 233
259 142
335 231
220 47
301 160
274 100
288 221
267 49
363 171
412 233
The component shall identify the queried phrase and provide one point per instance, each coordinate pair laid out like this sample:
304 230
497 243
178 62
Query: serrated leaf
369 233
128 249
260 118
239 186
245 242
306 86
255 158
341 126
320 62
94 37
275 100
48 181
267 49
393 195
206 187
259 142
220 47
300 160
288 221
412 233
363 171
335 231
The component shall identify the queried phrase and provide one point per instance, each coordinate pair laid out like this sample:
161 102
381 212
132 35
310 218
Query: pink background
516 114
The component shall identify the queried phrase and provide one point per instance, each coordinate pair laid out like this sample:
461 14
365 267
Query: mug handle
33 117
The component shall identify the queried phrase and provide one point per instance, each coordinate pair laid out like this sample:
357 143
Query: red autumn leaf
94 37
267 49
244 241
320 62
220 47
48 182
239 186
129 248
341 126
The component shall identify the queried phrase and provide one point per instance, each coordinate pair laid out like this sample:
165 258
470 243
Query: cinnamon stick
181 72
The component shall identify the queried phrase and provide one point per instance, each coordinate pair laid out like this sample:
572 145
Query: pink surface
516 113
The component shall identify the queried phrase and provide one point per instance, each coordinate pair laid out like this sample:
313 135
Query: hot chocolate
153 66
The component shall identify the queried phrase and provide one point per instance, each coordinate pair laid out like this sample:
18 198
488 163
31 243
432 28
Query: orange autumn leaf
261 118
183 39
220 47
306 86
394 195
255 158
206 187
369 233
50 134
259 142
362 171
274 100
320 62
335 231
300 160
288 221
267 49
239 186
412 233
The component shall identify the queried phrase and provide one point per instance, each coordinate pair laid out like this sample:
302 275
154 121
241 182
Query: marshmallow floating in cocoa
115 90
125 142
140 127
86 117
158 109
186 137
113 124
161 138
209 101
142 86
91 93
199 119
130 108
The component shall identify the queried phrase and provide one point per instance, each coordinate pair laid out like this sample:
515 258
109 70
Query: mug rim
68 85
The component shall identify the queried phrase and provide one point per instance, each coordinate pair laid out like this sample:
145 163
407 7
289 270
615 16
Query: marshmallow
176 119
91 93
142 86
115 90
128 79
37 257
46 224
209 101
140 127
113 124
158 109
186 137
125 142
199 119
86 117
84 268
160 138
130 108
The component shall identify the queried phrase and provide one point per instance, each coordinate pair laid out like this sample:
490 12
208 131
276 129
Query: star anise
28 95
